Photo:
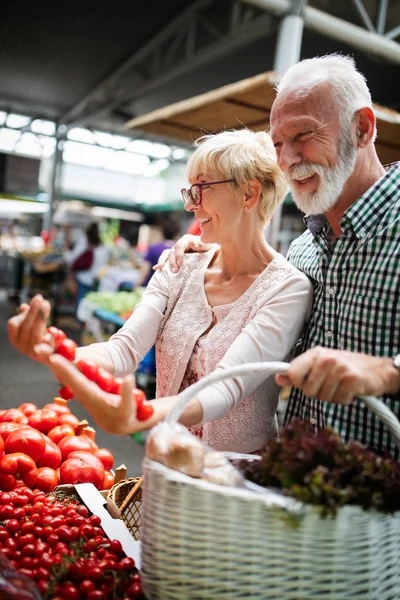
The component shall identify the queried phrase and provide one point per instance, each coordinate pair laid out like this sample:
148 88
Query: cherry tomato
12 526
69 591
134 591
96 595
116 547
139 396
66 393
104 380
85 587
125 564
57 334
95 520
144 411
67 349
88 368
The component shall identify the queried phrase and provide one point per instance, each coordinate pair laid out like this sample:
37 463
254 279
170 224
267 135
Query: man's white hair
349 85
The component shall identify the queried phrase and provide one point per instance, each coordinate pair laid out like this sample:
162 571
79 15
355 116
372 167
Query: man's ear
365 126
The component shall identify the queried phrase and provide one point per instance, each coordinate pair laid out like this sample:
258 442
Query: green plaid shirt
356 282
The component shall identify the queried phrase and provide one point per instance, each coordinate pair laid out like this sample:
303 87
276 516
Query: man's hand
339 376
28 328
187 243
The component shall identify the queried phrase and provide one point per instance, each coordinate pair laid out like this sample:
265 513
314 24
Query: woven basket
127 495
200 540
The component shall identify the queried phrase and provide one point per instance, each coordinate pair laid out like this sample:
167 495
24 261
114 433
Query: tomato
19 466
106 458
89 458
1 446
47 479
43 420
69 591
96 595
14 415
52 455
108 481
116 387
67 349
85 587
144 411
57 334
69 419
26 440
59 432
59 406
28 408
75 443
6 428
77 470
66 393
116 547
125 564
134 591
12 526
88 368
139 396
104 379
7 482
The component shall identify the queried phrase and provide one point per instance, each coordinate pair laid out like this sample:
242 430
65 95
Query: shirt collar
371 206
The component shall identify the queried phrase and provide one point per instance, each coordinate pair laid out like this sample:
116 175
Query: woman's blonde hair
242 155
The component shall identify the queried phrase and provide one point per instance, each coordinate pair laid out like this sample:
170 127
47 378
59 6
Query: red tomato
67 349
59 406
116 388
26 440
70 419
88 457
60 432
66 393
106 458
69 591
104 380
125 564
6 428
28 408
1 446
58 335
134 591
75 443
76 470
144 411
108 481
43 420
14 415
139 396
86 586
88 368
47 479
52 455
19 466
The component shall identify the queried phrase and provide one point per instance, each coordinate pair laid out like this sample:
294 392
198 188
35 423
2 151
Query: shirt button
331 291
329 334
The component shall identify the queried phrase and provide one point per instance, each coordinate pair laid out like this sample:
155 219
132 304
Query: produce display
53 540
122 303
319 468
41 448
105 380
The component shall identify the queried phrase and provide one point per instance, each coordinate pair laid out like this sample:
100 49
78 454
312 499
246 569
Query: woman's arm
270 336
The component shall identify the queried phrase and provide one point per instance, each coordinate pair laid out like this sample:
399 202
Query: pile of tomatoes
105 380
39 448
56 542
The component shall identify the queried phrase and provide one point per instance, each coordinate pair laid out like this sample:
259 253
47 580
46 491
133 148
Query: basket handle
271 368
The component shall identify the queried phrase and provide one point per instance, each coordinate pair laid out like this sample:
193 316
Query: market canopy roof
246 103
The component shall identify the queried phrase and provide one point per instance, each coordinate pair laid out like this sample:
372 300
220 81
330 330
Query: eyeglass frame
200 186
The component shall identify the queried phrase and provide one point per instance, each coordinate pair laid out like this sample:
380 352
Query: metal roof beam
102 88
338 29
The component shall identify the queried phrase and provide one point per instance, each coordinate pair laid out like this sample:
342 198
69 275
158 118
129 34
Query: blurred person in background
170 230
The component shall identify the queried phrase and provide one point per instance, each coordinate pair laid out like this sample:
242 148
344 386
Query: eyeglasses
195 193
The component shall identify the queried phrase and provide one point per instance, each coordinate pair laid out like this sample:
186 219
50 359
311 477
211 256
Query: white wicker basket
200 540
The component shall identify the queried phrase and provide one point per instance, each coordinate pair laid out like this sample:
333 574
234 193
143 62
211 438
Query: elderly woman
240 302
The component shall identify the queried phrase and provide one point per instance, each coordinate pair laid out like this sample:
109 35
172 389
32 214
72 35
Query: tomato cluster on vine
59 545
105 380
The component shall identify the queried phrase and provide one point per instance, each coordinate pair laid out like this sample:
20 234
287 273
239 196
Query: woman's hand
187 243
339 376
115 414
28 328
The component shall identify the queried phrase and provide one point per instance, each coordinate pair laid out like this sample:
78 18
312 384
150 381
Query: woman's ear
252 194
365 126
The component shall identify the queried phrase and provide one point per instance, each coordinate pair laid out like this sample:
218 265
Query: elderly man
323 128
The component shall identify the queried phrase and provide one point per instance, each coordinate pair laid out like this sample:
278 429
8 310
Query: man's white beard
331 179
